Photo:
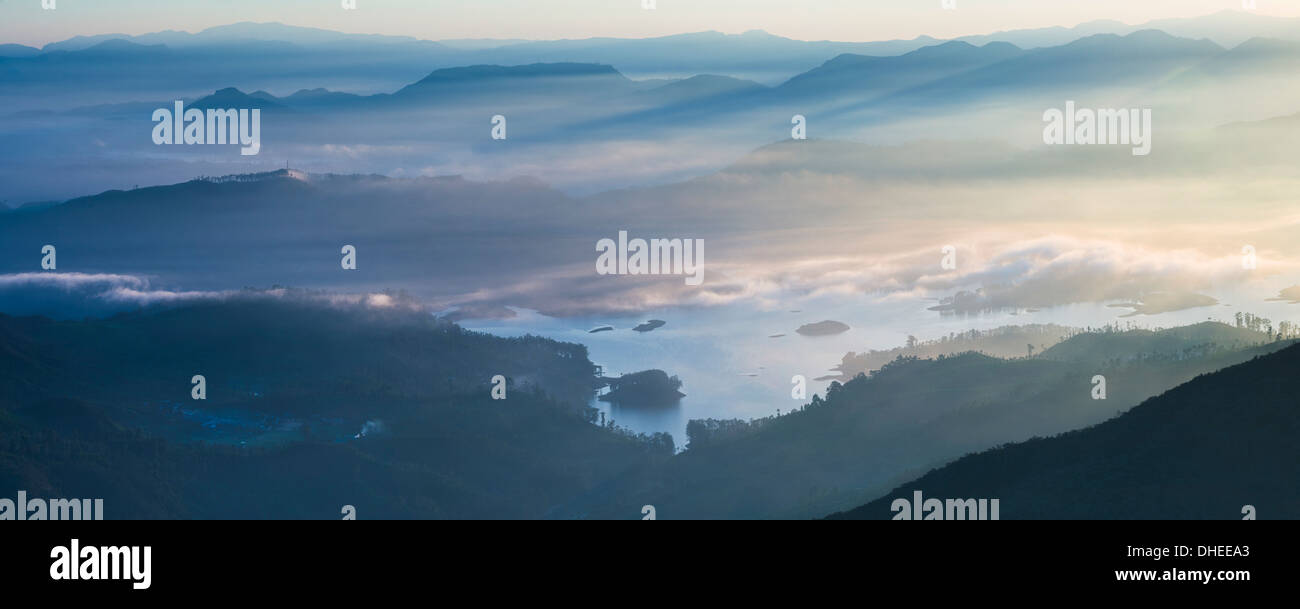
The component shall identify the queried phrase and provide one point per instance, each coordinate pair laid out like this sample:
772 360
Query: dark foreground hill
310 406
1202 450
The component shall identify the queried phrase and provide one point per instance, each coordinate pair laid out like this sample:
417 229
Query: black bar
319 559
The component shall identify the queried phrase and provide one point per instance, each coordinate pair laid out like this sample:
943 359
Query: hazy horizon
829 20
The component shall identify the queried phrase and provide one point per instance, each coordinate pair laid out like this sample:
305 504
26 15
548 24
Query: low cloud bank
82 295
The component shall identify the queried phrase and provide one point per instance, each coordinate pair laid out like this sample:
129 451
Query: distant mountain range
579 111
1226 28
282 58
944 74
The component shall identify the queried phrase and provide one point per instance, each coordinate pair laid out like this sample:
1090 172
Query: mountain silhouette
1202 450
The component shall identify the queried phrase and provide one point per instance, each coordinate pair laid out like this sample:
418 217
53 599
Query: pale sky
25 22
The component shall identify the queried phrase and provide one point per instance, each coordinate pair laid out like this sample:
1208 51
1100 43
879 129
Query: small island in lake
646 388
823 328
649 325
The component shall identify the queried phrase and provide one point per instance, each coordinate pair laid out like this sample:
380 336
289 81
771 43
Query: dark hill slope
1199 451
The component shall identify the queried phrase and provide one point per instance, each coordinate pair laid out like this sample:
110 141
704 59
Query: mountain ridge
1201 450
